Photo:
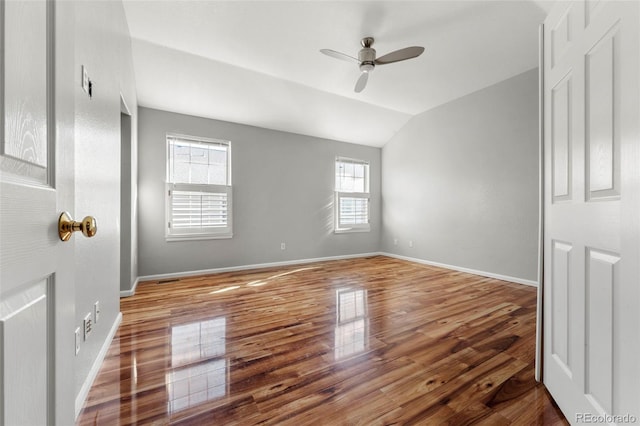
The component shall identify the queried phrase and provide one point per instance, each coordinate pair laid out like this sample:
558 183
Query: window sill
351 230
198 237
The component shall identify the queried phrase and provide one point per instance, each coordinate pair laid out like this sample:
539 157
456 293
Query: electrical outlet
96 312
410 243
88 325
85 79
77 340
283 246
395 241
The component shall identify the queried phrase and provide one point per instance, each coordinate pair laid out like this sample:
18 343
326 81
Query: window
198 188
352 195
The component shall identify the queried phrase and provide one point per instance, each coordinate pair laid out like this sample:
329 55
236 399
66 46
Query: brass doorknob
67 226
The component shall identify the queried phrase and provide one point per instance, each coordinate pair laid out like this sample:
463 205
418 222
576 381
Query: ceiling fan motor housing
367 56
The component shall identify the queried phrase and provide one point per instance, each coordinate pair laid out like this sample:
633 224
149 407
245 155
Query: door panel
23 330
25 99
560 300
603 151
601 282
561 139
24 148
592 208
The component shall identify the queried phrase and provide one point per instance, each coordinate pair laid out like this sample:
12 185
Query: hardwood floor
362 341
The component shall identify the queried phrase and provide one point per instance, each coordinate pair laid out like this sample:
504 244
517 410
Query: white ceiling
258 62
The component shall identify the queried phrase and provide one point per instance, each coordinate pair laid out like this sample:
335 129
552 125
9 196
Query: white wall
461 182
282 192
103 45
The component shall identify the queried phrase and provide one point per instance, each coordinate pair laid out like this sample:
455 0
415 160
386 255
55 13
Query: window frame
190 234
339 228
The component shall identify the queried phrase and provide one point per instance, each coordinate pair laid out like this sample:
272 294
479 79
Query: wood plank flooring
350 342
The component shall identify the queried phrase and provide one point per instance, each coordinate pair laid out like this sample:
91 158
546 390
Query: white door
37 296
592 209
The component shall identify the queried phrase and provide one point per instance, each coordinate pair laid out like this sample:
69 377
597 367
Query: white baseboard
127 293
462 269
240 268
95 368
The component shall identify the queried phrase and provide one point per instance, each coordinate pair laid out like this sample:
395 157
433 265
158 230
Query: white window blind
354 210
199 196
351 195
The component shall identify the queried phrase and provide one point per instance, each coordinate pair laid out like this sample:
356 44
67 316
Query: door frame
539 365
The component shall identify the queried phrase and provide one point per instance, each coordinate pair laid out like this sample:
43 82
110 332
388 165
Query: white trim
124 108
254 266
541 188
352 230
462 269
127 293
95 368
197 237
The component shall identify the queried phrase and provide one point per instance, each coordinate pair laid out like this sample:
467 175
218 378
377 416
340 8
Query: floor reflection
258 283
352 322
199 368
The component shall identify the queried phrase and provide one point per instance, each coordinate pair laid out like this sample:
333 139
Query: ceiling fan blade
400 55
362 82
339 55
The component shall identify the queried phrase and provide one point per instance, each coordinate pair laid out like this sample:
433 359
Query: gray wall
127 273
461 182
103 45
282 192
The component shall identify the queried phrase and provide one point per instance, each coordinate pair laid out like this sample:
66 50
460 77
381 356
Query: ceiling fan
368 61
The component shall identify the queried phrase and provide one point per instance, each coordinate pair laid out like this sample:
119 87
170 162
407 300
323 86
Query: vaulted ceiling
258 62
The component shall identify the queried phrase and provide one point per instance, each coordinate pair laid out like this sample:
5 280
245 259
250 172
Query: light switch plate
85 79
77 340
